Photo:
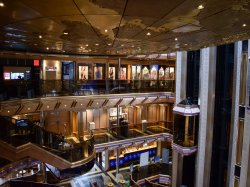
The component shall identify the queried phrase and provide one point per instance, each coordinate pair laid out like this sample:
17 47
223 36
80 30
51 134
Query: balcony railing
21 89
54 143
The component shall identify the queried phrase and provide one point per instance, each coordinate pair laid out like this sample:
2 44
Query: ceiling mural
120 27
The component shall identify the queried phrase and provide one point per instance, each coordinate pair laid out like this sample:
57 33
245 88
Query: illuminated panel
138 101
97 103
112 102
29 107
82 104
149 100
9 110
48 105
126 101
36 63
65 104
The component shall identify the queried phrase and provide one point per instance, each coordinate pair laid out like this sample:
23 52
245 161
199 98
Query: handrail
32 150
13 165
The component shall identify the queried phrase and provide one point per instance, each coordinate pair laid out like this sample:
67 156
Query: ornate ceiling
121 27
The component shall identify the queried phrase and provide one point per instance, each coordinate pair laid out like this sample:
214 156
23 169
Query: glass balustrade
22 89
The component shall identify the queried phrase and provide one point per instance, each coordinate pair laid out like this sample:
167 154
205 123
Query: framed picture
171 73
123 73
153 72
161 73
97 73
145 73
112 73
167 74
83 72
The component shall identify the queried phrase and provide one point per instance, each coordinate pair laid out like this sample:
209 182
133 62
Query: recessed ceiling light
40 36
47 48
132 46
47 106
148 34
8 111
81 104
66 33
244 25
109 44
200 7
81 47
106 30
176 39
90 50
1 4
28 108
87 45
185 44
65 105
96 44
122 45
97 103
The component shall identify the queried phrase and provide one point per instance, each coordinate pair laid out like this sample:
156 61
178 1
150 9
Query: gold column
186 130
239 142
243 79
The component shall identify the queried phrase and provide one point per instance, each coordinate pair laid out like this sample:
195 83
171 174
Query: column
119 67
180 94
235 114
158 147
206 96
177 166
41 137
117 160
245 82
181 72
106 152
80 130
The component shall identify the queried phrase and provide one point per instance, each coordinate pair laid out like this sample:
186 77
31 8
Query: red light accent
36 63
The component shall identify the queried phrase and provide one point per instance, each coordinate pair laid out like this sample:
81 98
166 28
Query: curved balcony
17 142
158 174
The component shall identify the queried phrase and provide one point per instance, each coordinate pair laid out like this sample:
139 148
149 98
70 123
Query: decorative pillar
181 72
205 136
119 67
158 147
117 160
180 94
235 113
41 138
245 108
177 164
106 152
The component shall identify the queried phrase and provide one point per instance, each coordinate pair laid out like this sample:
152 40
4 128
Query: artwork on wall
83 72
123 73
133 72
112 73
167 73
171 73
153 72
161 73
145 73
98 73
136 72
